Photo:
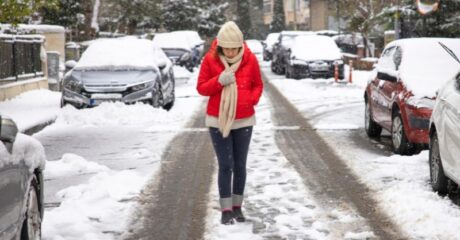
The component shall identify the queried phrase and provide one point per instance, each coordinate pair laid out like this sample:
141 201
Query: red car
401 97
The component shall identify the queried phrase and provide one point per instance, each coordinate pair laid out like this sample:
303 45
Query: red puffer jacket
248 80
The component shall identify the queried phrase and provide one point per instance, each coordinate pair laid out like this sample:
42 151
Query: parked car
184 48
126 70
195 42
271 39
22 161
401 97
313 56
281 48
445 137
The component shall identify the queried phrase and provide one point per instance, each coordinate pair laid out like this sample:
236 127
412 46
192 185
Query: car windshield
171 52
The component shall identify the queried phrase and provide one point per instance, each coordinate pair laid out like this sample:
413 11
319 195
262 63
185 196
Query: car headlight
73 84
141 86
338 62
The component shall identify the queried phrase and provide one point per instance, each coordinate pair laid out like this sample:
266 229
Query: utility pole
397 16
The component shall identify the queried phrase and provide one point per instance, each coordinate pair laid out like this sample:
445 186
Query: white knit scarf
229 96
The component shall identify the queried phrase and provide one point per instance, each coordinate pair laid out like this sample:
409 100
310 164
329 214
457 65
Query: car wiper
449 51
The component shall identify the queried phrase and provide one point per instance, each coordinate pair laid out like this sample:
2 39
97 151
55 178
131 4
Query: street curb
37 128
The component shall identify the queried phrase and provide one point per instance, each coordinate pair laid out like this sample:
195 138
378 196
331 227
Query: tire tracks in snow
174 204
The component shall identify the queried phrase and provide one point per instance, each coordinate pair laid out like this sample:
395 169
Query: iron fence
20 57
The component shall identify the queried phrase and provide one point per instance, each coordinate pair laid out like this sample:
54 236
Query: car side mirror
386 77
8 130
70 64
162 65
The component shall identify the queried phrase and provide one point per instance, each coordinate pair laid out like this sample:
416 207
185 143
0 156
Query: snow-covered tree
278 23
444 22
211 18
64 14
180 15
14 12
243 17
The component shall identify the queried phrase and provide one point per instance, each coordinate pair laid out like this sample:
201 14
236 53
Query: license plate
98 98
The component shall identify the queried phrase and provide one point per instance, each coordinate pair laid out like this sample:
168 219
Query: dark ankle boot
227 218
238 214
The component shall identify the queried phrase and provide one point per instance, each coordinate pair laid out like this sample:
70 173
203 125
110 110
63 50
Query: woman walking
230 77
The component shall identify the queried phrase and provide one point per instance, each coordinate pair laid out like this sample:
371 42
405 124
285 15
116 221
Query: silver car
21 183
126 70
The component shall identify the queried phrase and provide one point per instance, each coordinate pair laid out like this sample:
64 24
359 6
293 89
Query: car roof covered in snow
315 47
171 40
122 54
425 65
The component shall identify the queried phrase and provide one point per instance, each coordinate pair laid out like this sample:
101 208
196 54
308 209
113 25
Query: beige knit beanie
230 36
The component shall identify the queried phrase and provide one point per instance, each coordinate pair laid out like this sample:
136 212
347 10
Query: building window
267 6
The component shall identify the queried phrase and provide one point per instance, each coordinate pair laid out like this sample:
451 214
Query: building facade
296 12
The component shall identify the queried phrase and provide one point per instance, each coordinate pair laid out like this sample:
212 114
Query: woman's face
230 52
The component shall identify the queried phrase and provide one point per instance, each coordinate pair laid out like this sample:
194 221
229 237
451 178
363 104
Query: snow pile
94 210
32 108
30 150
115 114
71 164
122 54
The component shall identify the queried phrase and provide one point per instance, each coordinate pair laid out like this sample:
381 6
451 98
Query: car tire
398 137
372 128
31 228
170 104
156 100
288 73
437 176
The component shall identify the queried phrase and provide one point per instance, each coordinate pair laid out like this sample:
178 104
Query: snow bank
71 164
32 108
93 210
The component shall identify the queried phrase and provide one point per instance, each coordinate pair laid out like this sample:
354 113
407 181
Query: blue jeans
232 153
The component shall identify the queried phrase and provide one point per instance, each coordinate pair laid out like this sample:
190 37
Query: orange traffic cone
350 77
336 72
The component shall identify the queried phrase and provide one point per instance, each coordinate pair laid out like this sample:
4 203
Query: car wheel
371 127
288 73
156 101
438 179
398 138
31 228
272 67
170 104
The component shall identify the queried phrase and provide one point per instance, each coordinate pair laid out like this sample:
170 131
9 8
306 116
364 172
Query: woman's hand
226 78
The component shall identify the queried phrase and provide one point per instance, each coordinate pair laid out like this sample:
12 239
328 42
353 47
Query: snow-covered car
195 42
22 161
401 97
281 49
314 57
183 47
126 70
271 39
445 137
